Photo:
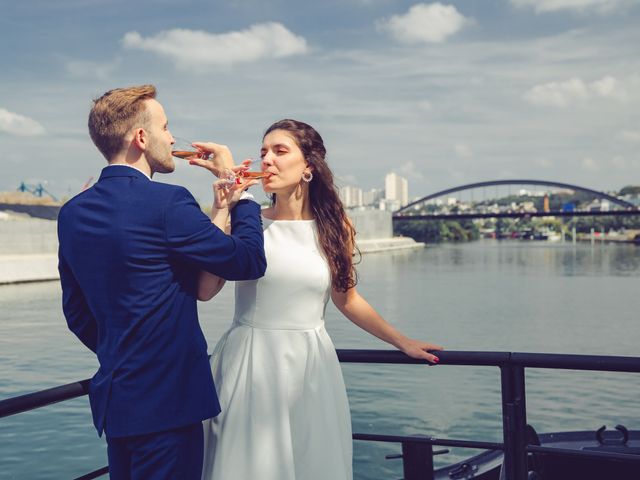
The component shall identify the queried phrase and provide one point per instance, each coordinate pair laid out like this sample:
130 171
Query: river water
487 295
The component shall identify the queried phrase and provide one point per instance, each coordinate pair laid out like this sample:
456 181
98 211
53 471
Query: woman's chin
267 187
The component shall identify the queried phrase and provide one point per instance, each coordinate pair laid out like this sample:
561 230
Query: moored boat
565 463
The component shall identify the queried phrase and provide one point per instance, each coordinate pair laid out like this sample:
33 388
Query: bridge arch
490 183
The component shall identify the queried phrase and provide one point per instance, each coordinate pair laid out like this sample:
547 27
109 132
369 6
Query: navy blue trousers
174 454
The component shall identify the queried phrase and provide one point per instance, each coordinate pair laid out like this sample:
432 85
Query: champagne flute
246 174
254 174
184 149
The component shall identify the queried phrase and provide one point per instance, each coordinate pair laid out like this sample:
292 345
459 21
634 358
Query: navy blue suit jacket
129 257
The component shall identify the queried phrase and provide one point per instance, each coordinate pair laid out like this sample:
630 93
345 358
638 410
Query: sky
443 93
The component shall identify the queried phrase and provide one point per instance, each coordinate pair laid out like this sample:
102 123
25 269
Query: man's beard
160 159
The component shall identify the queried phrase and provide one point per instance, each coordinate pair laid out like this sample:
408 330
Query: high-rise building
351 196
389 205
372 197
396 188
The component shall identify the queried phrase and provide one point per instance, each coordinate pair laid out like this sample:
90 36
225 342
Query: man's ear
140 138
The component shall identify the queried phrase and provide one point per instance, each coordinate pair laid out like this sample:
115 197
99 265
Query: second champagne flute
254 174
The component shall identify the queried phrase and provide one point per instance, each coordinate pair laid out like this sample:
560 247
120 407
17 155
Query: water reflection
553 259
482 296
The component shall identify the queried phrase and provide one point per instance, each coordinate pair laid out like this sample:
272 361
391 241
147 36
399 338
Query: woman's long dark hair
335 232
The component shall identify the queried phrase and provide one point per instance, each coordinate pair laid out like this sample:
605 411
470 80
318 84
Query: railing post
417 461
514 422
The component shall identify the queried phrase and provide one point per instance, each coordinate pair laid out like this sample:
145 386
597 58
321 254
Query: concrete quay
388 244
28 268
28 246
375 232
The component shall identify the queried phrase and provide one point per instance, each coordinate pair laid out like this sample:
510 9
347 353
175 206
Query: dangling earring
307 176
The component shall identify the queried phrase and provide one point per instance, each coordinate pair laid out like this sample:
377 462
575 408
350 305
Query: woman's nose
267 160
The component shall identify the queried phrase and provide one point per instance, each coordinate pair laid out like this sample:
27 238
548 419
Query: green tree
433 231
630 190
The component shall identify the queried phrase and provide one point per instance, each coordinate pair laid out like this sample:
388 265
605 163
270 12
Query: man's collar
123 172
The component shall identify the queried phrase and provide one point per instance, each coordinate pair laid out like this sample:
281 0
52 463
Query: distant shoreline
42 211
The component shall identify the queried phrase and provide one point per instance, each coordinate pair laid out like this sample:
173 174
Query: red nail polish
436 359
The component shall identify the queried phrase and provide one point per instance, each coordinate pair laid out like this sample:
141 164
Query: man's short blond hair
115 113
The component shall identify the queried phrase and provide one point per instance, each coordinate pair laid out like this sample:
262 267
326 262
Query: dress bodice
294 291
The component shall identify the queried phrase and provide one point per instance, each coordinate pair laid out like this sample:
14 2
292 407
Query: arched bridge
627 207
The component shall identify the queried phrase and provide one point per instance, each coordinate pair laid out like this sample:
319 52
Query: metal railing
417 451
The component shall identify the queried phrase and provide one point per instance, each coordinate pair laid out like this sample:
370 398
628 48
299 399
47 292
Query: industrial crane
36 190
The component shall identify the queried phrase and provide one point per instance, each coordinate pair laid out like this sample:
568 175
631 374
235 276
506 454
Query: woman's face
283 159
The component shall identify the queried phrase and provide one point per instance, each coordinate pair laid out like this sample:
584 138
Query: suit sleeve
79 318
192 236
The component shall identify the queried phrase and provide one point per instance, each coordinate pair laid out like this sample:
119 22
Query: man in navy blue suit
131 250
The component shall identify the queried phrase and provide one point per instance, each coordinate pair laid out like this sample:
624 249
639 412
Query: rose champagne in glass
184 149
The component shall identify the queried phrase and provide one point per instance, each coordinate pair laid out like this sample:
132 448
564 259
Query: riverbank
28 268
29 248
28 204
375 245
30 245
627 236
44 267
375 232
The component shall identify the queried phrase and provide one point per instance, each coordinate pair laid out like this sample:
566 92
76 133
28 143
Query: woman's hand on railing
419 349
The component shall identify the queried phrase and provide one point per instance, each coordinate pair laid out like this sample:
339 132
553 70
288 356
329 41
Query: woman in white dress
285 413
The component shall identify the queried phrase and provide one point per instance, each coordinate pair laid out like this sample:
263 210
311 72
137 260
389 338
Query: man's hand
226 194
220 159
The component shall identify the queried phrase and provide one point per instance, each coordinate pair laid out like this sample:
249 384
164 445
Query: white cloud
90 70
458 176
598 6
619 163
16 124
463 151
590 164
425 105
630 136
425 23
574 90
608 87
409 171
199 49
557 94
544 162
368 3
624 164
345 180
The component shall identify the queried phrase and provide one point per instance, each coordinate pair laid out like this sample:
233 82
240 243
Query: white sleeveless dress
285 413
